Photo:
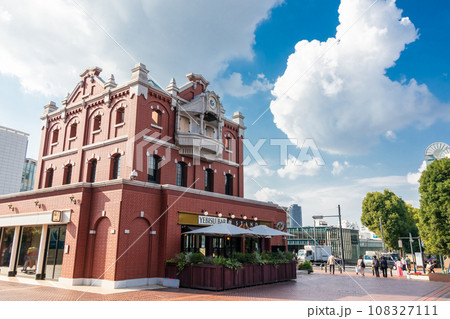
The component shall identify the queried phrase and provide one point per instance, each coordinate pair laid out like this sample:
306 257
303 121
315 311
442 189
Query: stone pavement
315 287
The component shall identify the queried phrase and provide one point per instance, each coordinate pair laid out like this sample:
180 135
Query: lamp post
340 232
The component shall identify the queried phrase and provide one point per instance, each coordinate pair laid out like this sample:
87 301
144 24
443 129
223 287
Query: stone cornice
104 143
61 154
46 191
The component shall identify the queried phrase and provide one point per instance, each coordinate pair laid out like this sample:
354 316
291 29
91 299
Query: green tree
434 214
396 219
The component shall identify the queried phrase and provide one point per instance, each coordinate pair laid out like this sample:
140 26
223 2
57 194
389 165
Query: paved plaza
317 286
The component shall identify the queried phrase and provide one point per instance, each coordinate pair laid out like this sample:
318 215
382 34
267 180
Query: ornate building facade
123 171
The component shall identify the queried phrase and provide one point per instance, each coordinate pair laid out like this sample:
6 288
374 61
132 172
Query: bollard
325 268
340 269
390 270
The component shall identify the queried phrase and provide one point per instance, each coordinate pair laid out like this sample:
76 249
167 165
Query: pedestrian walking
361 265
399 265
384 266
408 264
331 261
376 266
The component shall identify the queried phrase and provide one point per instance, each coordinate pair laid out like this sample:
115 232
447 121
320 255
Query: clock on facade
56 216
212 102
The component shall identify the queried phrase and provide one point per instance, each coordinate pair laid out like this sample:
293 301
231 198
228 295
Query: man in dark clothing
384 266
376 266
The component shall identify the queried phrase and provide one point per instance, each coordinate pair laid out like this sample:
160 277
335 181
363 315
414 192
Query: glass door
6 235
55 250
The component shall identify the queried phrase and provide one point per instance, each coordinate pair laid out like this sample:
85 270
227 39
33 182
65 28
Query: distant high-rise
29 171
13 145
295 216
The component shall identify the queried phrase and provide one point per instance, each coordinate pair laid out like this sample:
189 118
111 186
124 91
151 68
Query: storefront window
28 250
6 235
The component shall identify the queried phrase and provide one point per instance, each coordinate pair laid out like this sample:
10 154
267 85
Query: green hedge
235 261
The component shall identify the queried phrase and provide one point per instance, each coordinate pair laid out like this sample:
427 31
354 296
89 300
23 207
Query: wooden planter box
171 270
210 277
439 277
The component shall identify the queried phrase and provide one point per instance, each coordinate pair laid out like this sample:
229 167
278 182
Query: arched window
49 181
120 116
181 174
153 169
115 166
156 117
67 174
55 136
92 171
209 180
227 143
229 184
73 130
97 123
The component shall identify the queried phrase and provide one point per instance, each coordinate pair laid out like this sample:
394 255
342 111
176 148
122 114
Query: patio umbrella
263 230
223 229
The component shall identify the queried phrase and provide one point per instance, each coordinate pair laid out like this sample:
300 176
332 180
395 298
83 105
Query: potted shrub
306 266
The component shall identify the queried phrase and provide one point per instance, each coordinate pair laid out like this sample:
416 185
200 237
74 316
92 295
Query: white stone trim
61 154
159 142
166 282
105 143
38 218
156 126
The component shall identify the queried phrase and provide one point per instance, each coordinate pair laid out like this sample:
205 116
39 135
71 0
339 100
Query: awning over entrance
52 217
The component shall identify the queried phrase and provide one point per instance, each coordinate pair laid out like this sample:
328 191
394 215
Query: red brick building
123 171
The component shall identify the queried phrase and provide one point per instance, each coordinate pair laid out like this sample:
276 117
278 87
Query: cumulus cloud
234 86
413 178
338 167
294 168
337 92
255 170
267 194
50 43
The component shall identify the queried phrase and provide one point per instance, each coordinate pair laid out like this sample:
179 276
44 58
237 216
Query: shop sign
240 222
207 220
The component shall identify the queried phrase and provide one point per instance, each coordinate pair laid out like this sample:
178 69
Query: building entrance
55 250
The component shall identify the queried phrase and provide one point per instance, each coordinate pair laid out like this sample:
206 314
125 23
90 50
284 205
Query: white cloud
294 168
235 87
318 199
267 194
254 170
5 16
337 92
413 178
390 135
50 43
338 167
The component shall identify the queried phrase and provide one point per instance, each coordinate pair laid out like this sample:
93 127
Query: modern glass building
13 144
294 218
328 236
29 171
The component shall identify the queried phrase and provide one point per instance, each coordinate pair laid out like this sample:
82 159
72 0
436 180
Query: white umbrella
263 230
221 229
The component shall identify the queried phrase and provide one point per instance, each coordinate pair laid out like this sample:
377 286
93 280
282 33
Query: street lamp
340 232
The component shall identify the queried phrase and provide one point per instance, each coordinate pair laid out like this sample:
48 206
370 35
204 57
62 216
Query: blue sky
371 103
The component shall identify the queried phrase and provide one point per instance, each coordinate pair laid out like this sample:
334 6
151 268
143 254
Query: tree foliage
397 218
434 214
